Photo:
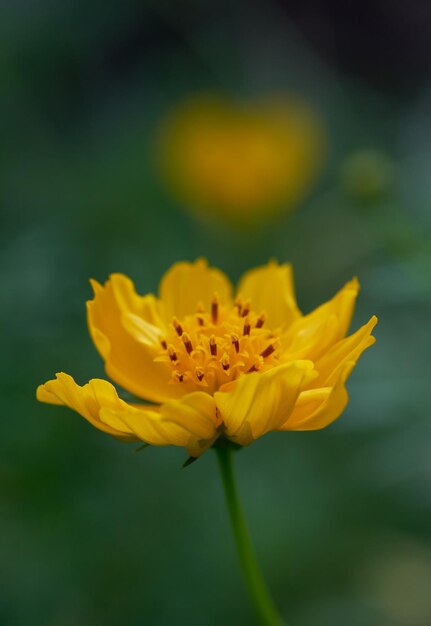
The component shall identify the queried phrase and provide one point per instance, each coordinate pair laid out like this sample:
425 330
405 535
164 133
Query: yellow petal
148 307
318 408
186 284
326 400
261 402
311 335
129 361
270 288
346 350
141 330
190 422
145 423
88 401
196 414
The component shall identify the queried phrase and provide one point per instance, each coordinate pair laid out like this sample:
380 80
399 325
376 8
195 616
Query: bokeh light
241 163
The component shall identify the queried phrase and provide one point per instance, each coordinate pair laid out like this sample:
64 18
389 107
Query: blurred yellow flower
241 163
217 366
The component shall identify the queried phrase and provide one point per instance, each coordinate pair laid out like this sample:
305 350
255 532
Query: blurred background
137 134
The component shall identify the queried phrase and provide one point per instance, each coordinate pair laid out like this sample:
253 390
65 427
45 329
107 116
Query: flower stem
264 608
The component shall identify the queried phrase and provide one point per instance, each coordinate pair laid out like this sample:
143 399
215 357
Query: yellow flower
215 365
241 162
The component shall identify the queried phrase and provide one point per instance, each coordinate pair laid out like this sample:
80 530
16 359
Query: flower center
211 348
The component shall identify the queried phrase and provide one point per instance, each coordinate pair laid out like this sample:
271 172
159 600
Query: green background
92 533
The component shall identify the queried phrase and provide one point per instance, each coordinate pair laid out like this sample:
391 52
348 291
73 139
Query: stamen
257 365
172 354
268 350
235 342
219 344
214 308
200 373
213 345
246 308
187 342
261 320
177 326
199 310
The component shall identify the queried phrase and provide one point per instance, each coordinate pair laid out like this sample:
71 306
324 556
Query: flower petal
189 422
141 330
326 400
99 403
145 423
270 288
129 360
88 400
186 284
346 350
309 336
196 413
317 408
261 402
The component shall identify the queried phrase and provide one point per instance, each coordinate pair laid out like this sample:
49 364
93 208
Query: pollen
217 344
245 310
213 345
187 342
199 317
214 309
268 350
172 354
177 326
261 320
200 373
235 342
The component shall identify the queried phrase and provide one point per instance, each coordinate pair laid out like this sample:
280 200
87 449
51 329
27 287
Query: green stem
265 610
